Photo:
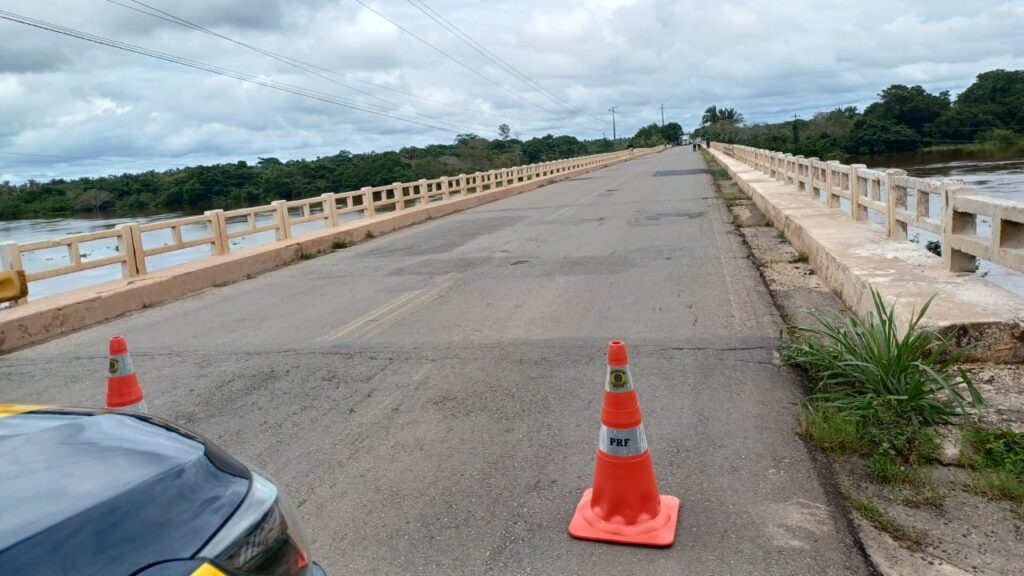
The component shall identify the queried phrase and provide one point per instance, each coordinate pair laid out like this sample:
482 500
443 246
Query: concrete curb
852 257
36 322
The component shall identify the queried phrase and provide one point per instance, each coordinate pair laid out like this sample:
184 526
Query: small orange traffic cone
624 505
123 390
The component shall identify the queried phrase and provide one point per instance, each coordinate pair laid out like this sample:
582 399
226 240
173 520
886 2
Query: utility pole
662 115
612 110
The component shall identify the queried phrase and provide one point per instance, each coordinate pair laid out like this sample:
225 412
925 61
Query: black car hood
84 492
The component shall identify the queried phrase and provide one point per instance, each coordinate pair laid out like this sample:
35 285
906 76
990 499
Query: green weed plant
865 368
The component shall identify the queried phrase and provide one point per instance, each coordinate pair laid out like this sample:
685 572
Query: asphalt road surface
430 399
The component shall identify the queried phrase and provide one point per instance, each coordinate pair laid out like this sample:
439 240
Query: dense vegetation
904 118
242 184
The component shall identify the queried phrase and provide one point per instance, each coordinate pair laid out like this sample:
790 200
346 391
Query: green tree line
240 184
905 118
654 135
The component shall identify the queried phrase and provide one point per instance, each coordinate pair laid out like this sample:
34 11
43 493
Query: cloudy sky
69 107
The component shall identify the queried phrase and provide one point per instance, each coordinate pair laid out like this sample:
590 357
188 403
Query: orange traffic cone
624 505
123 390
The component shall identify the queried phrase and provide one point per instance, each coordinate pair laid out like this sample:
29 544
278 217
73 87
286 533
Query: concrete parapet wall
852 256
38 321
970 226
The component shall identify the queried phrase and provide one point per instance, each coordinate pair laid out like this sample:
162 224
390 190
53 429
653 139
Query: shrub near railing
957 205
218 228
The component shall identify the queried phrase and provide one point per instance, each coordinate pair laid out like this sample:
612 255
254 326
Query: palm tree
730 115
710 116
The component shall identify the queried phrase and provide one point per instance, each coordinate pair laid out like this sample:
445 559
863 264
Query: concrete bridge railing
969 225
133 243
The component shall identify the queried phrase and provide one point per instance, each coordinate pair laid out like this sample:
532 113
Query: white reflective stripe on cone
139 407
622 442
618 379
121 365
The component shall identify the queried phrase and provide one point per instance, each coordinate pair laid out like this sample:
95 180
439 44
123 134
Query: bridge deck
430 399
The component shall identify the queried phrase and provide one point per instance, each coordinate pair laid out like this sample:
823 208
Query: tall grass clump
894 386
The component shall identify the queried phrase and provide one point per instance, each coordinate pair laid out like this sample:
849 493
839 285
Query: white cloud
111 111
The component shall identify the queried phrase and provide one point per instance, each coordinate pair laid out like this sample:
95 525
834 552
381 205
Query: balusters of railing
1008 237
829 189
330 209
399 196
812 175
857 210
443 185
368 209
219 230
959 223
130 244
284 228
798 176
921 199
896 199
10 257
810 171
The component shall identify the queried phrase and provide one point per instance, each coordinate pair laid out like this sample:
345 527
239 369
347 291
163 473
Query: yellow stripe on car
207 569
15 409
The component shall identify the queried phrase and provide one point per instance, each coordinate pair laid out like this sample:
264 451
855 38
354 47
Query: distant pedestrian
707 143
694 145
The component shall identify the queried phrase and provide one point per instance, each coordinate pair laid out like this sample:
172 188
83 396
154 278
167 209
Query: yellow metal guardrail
13 286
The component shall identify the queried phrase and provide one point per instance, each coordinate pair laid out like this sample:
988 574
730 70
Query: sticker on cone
624 505
123 389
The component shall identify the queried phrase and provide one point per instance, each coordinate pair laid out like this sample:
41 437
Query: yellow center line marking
405 309
379 315
372 314
572 207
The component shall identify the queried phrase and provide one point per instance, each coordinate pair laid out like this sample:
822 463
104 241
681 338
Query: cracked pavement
430 399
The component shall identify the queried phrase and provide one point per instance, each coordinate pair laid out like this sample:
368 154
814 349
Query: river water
995 172
32 230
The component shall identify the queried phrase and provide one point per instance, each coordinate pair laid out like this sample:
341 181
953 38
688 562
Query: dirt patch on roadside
1002 385
951 532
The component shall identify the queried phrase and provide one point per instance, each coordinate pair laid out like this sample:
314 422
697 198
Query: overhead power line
280 86
306 67
494 58
30 155
168 17
472 70
182 22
